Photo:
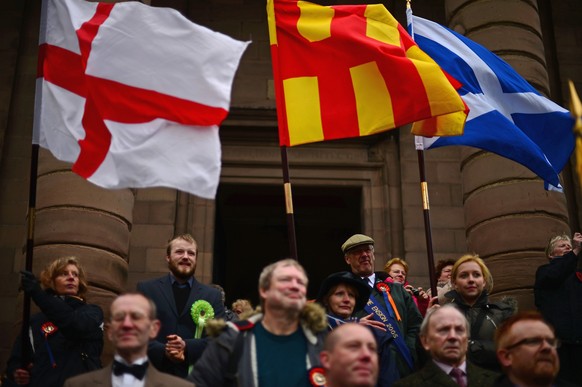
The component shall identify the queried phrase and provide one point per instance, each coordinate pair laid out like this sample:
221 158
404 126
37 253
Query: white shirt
371 280
128 380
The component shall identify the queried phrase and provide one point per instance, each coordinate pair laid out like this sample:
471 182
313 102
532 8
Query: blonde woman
472 282
66 337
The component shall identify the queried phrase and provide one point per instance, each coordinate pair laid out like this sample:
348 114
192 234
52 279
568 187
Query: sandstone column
508 214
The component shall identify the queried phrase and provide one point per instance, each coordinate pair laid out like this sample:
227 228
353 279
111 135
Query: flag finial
575 108
576 111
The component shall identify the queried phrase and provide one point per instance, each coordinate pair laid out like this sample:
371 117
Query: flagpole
289 205
26 350
427 226
423 184
26 357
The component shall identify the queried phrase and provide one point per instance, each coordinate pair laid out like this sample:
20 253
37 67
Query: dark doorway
251 232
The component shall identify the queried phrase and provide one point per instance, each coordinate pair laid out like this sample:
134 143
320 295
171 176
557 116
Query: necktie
457 374
368 280
137 370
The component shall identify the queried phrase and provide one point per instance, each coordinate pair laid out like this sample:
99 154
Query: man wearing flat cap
388 303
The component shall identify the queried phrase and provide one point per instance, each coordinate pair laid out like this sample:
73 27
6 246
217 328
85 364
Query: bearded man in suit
132 324
175 347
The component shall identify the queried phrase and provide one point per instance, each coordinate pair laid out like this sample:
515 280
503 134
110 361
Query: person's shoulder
480 376
429 375
89 378
382 275
156 376
507 304
413 379
420 378
229 329
206 288
149 282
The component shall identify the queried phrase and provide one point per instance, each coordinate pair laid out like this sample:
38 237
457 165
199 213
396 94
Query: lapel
154 378
165 288
102 377
474 375
195 295
433 374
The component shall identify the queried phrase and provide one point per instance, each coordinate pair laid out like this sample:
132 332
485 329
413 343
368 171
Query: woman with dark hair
443 270
342 296
472 282
66 337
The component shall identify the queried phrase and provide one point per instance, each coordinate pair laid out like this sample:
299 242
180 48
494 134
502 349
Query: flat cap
356 240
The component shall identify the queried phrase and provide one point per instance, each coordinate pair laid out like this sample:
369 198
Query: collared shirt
447 370
371 280
173 280
128 380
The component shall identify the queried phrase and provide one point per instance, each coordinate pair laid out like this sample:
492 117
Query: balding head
350 357
444 334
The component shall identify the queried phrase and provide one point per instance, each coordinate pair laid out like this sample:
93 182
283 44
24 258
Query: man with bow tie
132 325
388 303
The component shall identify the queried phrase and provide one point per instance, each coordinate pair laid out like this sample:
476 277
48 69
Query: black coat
178 322
432 376
73 348
558 296
484 318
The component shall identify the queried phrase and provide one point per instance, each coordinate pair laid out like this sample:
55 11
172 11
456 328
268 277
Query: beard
180 272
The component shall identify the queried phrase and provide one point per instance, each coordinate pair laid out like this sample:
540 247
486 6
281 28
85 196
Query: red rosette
317 376
382 287
48 328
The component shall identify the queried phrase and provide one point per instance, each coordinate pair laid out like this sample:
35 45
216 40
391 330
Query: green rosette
201 311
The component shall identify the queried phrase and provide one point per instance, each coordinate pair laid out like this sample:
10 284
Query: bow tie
137 370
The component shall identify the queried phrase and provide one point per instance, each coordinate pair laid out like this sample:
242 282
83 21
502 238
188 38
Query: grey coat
212 367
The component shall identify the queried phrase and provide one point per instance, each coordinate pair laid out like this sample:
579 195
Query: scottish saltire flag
507 115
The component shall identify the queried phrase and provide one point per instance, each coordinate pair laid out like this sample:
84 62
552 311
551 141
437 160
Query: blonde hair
56 267
554 241
473 258
267 274
398 261
186 237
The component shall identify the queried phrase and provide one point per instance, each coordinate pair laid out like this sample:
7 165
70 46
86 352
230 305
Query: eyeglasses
535 342
133 316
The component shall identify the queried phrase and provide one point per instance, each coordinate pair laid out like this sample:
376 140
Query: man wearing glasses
527 351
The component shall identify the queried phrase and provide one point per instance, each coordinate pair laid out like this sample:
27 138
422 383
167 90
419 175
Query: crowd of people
365 328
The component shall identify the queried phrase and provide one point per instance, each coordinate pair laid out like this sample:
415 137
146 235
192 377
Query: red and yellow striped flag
349 71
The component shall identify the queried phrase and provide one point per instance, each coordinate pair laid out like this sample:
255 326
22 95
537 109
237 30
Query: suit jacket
431 375
102 377
177 322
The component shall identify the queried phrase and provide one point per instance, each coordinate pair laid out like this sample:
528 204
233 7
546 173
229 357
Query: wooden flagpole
427 226
26 350
423 184
289 205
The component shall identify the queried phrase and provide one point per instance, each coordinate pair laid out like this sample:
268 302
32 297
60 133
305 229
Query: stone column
75 217
509 217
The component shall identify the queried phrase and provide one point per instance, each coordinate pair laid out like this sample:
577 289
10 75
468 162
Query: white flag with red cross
132 95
